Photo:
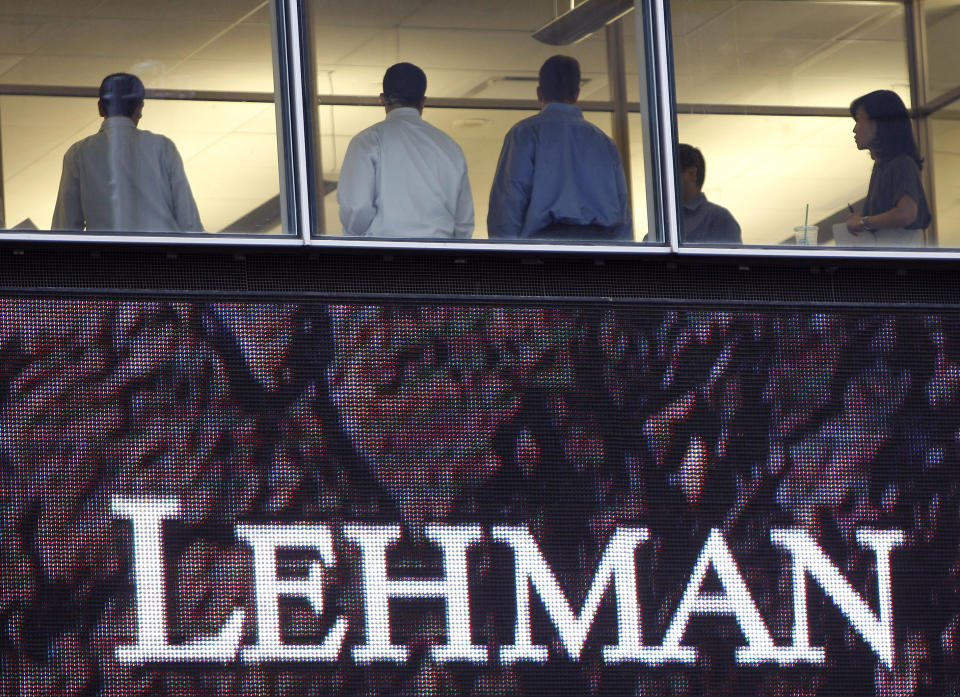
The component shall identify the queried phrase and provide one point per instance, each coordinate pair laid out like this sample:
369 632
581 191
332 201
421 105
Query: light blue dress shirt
557 169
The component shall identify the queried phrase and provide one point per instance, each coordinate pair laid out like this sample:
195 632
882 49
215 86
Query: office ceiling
726 51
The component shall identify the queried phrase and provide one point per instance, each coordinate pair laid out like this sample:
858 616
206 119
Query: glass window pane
480 49
787 53
766 169
479 132
945 127
943 52
228 148
482 63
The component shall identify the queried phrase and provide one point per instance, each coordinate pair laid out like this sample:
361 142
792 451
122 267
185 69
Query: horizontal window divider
760 110
861 253
459 103
210 239
7 90
384 246
941 102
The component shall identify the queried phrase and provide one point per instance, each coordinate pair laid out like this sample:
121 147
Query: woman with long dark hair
896 208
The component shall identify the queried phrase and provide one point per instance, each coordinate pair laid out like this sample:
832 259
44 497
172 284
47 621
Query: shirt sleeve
512 184
903 179
357 188
68 213
463 220
184 206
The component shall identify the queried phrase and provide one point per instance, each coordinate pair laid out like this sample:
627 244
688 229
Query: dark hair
404 84
894 132
121 94
560 79
689 156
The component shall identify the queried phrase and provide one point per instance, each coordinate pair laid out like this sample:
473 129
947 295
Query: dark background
569 419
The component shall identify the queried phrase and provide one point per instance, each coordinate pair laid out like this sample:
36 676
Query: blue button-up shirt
557 169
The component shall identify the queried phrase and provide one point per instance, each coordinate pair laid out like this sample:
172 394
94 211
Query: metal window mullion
291 131
617 77
658 103
916 34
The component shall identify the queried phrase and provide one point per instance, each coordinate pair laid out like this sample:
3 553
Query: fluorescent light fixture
581 21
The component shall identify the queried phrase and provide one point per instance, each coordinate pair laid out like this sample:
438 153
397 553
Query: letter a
735 600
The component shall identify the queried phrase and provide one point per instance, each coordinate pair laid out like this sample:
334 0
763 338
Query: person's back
420 181
559 176
403 177
123 178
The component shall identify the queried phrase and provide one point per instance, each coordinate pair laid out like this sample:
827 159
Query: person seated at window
895 211
123 178
403 177
559 177
703 221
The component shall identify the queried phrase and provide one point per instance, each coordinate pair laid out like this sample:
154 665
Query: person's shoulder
901 162
158 139
85 143
527 125
442 137
369 135
716 208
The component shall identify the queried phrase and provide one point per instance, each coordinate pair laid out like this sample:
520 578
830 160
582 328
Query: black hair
121 94
690 156
894 132
404 84
560 79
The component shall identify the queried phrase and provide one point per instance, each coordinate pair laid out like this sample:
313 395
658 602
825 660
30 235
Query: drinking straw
806 216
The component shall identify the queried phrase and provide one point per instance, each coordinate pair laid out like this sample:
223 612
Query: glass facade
208 71
255 96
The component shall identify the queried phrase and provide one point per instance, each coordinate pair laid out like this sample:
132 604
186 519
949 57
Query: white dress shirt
125 179
403 177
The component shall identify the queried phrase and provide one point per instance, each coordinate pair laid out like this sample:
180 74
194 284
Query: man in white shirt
123 178
403 177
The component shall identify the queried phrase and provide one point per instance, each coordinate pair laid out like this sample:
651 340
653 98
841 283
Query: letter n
808 558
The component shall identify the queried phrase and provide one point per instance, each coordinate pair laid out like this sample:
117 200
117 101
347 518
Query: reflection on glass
228 147
786 53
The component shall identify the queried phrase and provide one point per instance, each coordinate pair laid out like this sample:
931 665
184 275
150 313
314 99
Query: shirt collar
695 203
116 122
561 108
404 112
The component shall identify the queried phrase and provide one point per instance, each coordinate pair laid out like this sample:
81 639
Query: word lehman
617 568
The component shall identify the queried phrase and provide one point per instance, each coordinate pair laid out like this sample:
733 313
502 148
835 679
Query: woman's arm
901 215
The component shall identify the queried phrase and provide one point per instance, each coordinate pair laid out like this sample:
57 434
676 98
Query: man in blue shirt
559 176
703 221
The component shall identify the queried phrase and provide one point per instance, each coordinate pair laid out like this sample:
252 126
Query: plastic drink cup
806 234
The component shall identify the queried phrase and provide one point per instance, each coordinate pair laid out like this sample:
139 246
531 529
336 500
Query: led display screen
202 498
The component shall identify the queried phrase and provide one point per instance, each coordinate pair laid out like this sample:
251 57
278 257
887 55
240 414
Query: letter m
617 565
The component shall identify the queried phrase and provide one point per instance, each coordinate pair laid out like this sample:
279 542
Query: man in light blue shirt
559 176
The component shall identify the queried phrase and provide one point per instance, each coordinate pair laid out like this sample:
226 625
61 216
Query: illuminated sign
616 573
